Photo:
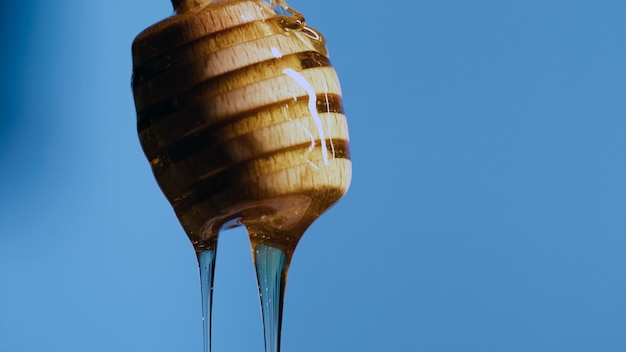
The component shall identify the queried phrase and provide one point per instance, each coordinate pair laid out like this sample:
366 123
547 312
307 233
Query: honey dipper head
240 117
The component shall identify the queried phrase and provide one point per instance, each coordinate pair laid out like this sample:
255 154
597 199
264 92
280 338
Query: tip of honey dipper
241 117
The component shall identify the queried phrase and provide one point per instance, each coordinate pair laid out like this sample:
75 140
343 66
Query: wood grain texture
240 117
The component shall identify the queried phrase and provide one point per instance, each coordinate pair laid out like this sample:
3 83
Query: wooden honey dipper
239 113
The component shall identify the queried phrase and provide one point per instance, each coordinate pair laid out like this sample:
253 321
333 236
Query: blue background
487 210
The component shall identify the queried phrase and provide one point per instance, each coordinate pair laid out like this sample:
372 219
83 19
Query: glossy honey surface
239 113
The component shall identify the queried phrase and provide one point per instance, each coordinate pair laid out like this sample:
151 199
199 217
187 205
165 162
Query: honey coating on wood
239 113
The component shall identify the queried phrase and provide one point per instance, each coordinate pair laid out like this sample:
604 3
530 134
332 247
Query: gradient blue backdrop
487 210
